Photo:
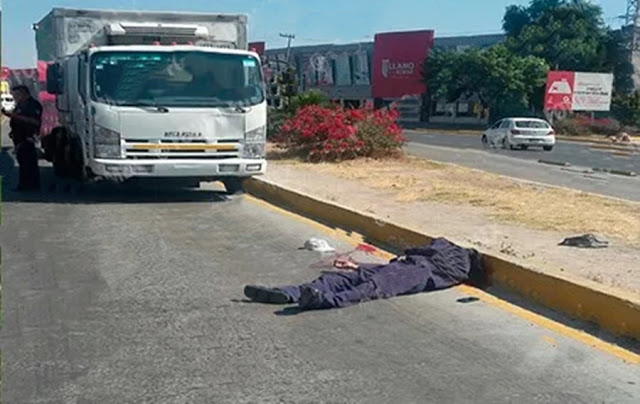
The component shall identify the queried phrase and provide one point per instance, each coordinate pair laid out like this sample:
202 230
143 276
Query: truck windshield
176 79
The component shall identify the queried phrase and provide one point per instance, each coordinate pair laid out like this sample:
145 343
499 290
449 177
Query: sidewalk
474 224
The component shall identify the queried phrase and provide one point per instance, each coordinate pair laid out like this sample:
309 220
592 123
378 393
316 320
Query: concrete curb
572 139
616 172
555 163
632 149
445 131
613 310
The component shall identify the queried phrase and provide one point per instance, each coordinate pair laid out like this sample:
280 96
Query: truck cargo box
65 31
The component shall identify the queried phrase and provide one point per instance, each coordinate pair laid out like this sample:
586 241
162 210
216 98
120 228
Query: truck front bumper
175 168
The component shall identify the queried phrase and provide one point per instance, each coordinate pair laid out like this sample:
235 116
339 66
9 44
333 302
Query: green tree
617 61
506 83
567 34
626 108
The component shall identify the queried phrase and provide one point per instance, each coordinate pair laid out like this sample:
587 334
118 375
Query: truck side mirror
53 79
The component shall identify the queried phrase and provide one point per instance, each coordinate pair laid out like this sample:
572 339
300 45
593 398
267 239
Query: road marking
558 328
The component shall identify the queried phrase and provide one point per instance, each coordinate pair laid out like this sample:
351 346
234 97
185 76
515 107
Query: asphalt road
575 153
467 151
135 296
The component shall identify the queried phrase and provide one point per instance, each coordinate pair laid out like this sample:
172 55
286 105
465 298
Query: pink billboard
397 63
257 47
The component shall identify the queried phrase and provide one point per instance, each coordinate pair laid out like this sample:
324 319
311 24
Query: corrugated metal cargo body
65 31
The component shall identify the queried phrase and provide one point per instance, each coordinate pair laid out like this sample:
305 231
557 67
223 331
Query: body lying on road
436 266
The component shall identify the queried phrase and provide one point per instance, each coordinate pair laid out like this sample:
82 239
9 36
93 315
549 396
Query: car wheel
524 147
506 144
548 148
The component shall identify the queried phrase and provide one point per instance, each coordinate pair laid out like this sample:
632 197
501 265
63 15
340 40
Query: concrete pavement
463 150
133 296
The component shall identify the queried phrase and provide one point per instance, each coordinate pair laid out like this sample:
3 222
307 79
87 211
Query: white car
512 133
7 102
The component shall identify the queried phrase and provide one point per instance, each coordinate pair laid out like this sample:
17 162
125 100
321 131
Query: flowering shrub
330 133
582 125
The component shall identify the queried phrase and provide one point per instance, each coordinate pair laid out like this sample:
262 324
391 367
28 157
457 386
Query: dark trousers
29 172
342 289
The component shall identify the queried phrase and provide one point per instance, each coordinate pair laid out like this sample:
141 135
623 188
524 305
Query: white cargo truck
153 95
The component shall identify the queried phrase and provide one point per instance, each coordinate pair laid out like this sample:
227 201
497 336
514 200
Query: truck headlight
254 143
253 151
258 135
106 143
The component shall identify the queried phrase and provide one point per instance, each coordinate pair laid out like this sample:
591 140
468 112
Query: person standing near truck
25 121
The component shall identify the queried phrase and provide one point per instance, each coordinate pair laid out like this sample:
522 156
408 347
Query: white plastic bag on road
317 244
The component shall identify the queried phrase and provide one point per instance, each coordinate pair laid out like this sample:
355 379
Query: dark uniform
23 135
436 266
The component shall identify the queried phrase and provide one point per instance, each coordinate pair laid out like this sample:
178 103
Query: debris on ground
318 244
585 241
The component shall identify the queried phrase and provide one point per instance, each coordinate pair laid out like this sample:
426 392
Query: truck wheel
548 148
233 185
58 147
76 162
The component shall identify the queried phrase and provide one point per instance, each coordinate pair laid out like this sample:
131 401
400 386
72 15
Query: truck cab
159 110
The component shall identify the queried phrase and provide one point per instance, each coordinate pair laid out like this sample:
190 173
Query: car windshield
176 79
532 125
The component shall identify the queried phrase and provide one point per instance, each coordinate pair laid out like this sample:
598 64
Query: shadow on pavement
592 329
71 192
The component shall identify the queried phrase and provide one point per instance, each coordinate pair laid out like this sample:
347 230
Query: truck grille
139 149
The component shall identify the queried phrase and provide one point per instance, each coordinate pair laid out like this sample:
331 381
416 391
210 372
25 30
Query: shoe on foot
261 294
310 298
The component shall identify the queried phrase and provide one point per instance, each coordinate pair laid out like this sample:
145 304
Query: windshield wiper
158 107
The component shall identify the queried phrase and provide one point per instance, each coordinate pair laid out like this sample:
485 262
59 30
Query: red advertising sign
257 47
578 91
397 63
559 94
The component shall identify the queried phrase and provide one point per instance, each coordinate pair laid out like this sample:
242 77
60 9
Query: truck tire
548 148
233 186
76 160
67 156
58 146
48 146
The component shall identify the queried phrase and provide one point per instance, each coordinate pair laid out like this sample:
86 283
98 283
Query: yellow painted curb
613 310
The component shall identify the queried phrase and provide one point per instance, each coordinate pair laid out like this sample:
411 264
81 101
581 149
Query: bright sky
313 22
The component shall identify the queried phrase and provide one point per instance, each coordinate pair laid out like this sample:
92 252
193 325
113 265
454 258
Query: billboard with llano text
397 63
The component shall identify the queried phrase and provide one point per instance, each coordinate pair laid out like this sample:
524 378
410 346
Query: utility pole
632 25
289 38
